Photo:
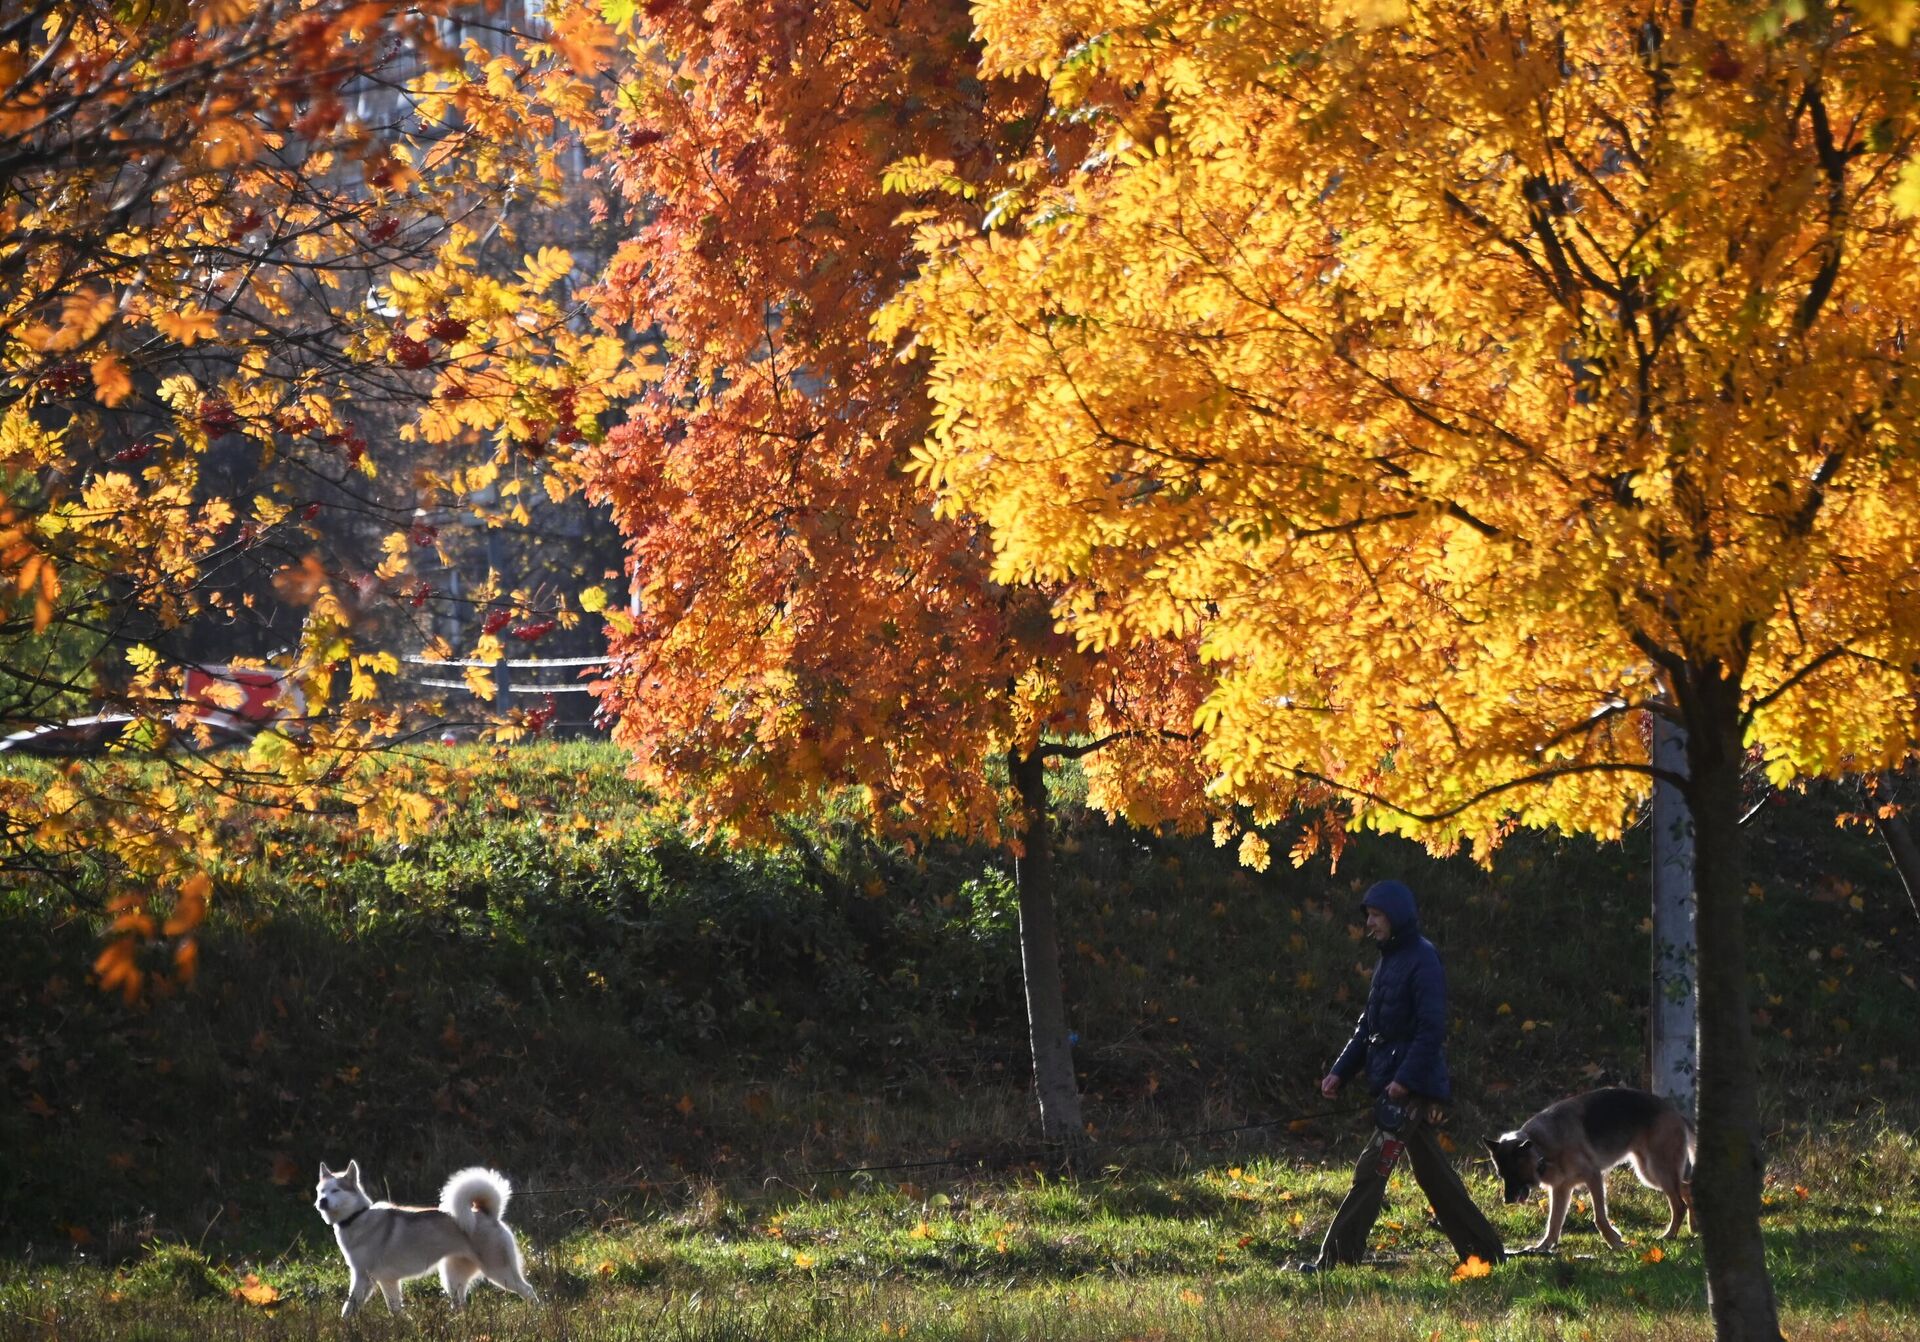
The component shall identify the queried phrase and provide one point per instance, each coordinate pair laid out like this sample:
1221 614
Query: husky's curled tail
474 1193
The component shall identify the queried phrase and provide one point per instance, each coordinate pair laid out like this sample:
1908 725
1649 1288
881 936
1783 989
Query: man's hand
1397 1092
1330 1085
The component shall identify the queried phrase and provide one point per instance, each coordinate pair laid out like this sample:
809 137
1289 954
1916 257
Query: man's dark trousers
1471 1233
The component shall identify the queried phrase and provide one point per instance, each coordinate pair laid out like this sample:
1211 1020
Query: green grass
665 1042
1121 1254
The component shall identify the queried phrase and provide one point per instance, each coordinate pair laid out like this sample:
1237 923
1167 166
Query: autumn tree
1472 379
804 625
234 240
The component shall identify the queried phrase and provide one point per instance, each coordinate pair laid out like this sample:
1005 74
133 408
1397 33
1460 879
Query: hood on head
1395 900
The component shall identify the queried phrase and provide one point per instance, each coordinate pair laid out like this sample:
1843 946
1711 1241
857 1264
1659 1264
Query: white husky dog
464 1236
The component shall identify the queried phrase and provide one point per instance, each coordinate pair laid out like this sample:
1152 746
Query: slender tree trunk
1728 1174
1896 832
1053 1077
1672 1020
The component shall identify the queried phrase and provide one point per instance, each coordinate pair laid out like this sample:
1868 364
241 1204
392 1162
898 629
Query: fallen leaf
257 1293
1475 1266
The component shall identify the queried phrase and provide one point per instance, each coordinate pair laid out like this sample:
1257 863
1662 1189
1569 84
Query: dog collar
349 1220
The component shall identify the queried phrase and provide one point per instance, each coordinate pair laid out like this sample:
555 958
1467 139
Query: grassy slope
659 1039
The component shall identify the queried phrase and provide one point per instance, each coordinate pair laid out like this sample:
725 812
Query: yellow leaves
112 383
1906 191
180 392
917 173
395 548
1254 851
479 683
24 440
1895 18
593 600
546 267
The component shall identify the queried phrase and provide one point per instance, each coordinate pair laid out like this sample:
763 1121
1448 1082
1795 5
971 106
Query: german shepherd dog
1578 1140
384 1245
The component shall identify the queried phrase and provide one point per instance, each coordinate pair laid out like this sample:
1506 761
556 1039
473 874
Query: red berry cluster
65 379
410 353
217 416
418 596
423 534
136 451
449 328
534 631
496 621
541 718
384 228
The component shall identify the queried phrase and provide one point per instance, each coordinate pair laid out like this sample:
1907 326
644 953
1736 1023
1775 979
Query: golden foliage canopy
1465 377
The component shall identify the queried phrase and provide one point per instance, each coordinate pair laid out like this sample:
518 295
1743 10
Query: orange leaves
257 1293
111 382
122 965
186 325
1475 1266
582 38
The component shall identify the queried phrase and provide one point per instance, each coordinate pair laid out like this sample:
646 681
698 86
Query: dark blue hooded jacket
1402 1034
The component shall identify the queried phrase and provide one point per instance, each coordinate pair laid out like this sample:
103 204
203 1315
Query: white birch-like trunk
1672 1022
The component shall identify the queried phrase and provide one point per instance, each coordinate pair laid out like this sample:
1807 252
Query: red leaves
245 224
351 442
1722 65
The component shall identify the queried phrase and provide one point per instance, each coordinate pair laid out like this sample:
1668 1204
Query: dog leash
976 1158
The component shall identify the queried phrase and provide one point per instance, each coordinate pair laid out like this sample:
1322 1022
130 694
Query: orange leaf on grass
1475 1266
256 1292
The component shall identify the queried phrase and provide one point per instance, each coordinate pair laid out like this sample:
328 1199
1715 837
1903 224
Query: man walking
1401 1042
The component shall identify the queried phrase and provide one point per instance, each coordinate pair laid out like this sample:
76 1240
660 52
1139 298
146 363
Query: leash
1005 1158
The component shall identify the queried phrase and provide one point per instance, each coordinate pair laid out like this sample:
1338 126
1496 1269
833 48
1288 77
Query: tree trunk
1672 1021
1728 1174
1053 1078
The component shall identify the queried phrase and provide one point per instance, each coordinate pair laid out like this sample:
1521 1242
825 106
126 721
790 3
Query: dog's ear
1491 1145
353 1173
325 1173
